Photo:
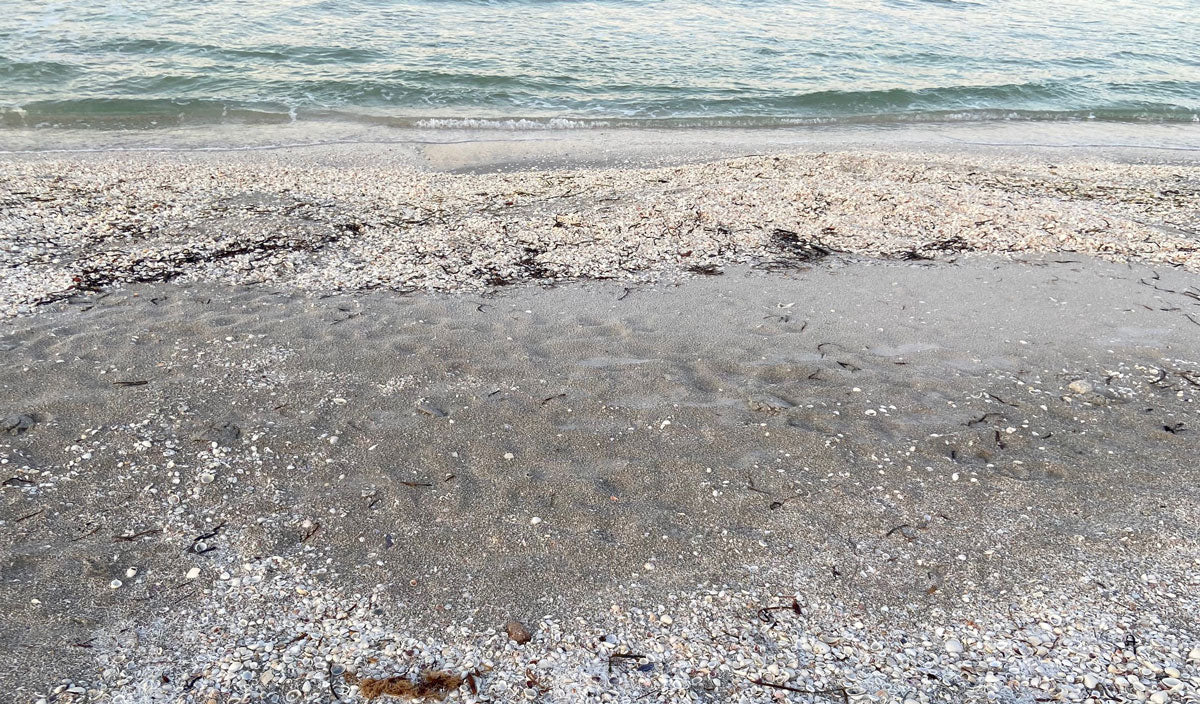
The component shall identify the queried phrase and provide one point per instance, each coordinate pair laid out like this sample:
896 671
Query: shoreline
618 145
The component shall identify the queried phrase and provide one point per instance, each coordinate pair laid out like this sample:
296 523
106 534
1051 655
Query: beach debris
912 254
903 529
225 433
133 537
982 418
310 529
17 423
199 539
623 657
430 410
953 244
839 694
1080 386
518 632
800 248
433 685
766 613
767 404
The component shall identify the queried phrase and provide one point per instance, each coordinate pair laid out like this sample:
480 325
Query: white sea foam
557 123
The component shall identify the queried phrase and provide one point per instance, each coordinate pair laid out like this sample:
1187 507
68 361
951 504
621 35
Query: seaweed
432 684
799 248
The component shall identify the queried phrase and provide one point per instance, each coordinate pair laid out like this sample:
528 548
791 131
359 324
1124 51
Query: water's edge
473 147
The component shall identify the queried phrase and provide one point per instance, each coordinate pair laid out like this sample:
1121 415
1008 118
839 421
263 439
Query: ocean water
580 63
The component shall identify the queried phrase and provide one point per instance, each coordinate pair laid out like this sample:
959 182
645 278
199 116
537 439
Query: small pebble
518 632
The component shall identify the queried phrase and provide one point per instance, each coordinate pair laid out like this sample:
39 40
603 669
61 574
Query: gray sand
977 480
846 420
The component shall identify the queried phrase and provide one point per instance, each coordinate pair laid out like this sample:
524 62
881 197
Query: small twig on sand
840 693
764 614
623 656
27 516
134 536
313 531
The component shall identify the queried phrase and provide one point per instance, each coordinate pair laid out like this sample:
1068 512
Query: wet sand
950 443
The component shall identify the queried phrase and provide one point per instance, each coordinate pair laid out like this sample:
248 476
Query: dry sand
961 480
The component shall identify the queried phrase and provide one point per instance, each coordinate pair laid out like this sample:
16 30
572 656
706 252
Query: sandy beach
837 424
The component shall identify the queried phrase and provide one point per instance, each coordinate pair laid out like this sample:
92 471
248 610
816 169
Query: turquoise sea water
569 63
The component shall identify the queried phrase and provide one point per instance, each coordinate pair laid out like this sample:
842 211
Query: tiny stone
1079 386
518 632
115 584
17 424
